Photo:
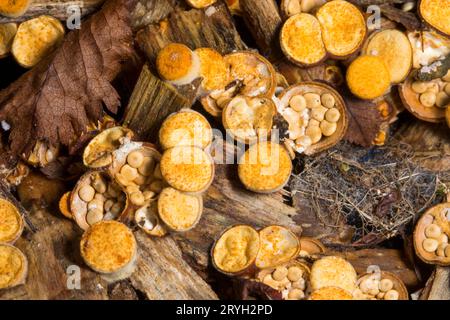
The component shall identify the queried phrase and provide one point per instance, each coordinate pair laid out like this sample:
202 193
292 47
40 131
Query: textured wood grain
56 8
438 286
152 101
212 27
263 20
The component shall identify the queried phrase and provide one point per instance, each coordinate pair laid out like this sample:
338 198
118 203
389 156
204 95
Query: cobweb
378 191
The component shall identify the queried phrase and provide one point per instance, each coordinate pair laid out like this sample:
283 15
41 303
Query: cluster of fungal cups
281 260
431 235
13 263
131 183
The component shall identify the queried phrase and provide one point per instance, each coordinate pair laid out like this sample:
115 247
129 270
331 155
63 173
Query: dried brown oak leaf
56 100
364 121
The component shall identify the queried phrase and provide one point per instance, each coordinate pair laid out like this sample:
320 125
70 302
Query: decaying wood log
212 27
263 20
391 260
438 286
407 19
56 8
152 11
152 101
162 272
431 143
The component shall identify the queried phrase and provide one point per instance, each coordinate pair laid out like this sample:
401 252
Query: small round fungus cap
187 168
185 128
236 249
11 222
265 167
108 246
333 272
13 266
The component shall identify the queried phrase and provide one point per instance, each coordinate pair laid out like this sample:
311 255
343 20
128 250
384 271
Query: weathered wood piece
152 101
163 274
431 143
152 11
263 20
438 286
391 260
56 8
212 27
408 19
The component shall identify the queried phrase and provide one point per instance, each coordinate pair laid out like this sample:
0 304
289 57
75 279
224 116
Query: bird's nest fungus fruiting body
242 250
178 64
35 39
310 49
431 235
427 100
99 152
97 197
15 8
179 211
368 77
7 33
291 279
265 167
13 266
310 246
11 222
187 168
185 128
394 48
337 30
249 119
331 293
250 74
213 69
380 286
235 250
316 116
136 169
109 248
333 271
436 13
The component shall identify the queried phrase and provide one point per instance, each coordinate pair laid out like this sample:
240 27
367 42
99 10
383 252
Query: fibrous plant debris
378 191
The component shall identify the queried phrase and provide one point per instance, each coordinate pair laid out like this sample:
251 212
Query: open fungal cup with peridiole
316 117
97 197
427 100
250 75
241 250
249 119
380 285
109 248
431 235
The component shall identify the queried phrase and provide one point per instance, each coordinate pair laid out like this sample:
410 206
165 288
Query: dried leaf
408 19
364 121
56 100
384 206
